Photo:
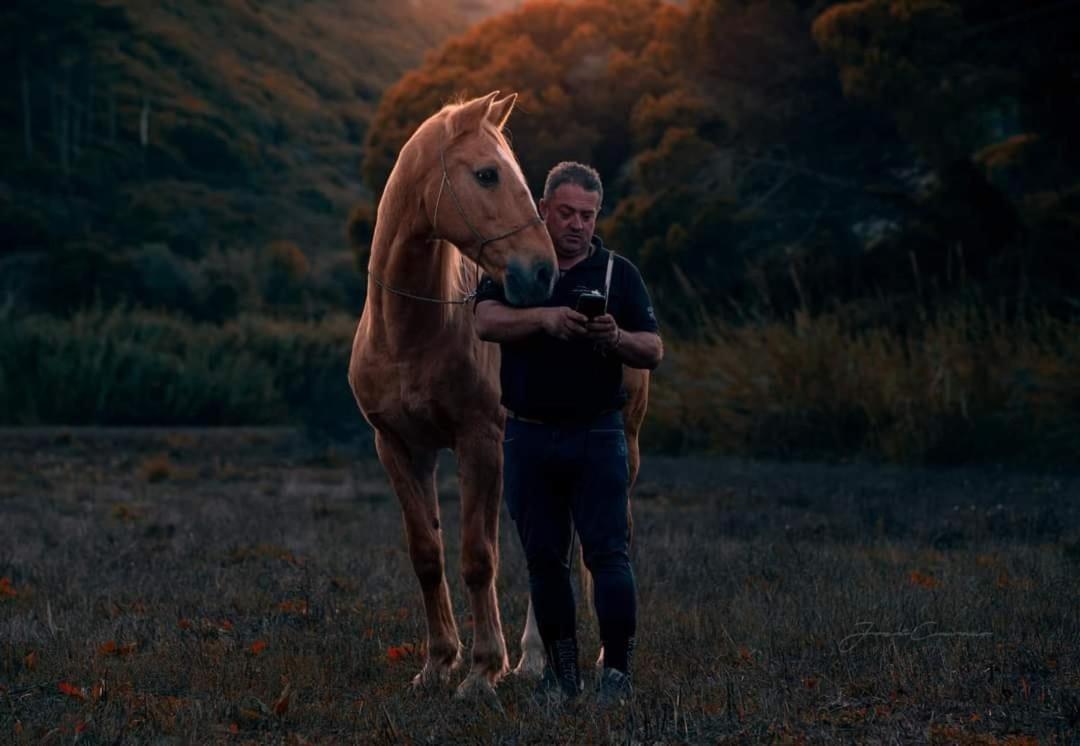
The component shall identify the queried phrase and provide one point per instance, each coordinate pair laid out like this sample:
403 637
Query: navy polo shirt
550 379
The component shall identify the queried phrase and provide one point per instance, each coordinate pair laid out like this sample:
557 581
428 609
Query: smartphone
591 303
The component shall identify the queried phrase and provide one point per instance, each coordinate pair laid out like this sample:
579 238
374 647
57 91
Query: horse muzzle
529 284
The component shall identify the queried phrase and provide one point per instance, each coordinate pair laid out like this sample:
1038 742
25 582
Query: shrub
967 384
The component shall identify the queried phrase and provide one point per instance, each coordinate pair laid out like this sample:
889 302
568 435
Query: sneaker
615 689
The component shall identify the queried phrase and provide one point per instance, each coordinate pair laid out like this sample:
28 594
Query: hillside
198 124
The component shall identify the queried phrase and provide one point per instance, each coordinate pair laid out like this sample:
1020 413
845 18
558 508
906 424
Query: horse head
477 198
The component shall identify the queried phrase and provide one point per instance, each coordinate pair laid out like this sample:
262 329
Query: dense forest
859 220
137 137
768 156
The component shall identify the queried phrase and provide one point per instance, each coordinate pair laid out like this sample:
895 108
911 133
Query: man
565 452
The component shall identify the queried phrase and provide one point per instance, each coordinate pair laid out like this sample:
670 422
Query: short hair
572 172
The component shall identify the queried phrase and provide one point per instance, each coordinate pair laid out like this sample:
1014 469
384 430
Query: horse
423 379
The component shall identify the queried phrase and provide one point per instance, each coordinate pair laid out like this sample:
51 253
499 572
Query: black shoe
615 689
561 675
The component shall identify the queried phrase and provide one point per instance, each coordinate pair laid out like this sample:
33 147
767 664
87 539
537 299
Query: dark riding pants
558 475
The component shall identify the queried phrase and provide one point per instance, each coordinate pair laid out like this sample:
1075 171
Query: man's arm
498 322
642 349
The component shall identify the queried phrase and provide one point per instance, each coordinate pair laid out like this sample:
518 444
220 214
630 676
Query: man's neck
566 263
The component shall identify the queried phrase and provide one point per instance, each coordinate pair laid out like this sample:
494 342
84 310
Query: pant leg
600 504
538 503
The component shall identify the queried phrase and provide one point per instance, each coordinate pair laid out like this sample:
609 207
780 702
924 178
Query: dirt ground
198 586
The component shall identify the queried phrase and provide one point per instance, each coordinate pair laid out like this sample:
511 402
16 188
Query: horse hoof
531 666
431 677
478 688
459 659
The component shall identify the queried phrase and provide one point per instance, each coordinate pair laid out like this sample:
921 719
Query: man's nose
575 223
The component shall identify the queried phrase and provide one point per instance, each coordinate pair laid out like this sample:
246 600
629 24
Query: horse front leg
480 475
412 475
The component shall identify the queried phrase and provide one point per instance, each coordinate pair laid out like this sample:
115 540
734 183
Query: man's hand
563 322
603 331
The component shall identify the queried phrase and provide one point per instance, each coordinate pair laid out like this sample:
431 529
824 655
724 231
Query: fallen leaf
234 728
97 691
80 726
281 704
31 660
6 590
257 647
923 580
71 690
112 648
246 713
296 606
396 653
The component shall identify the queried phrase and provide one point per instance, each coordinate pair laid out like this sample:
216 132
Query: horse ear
471 113
500 110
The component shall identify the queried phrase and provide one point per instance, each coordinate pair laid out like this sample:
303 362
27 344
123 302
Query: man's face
570 215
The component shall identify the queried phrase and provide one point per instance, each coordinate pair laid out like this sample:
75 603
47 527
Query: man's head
572 196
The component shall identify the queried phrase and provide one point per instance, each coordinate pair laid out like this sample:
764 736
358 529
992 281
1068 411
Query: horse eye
487 177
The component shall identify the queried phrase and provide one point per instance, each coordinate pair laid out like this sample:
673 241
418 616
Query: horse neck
404 258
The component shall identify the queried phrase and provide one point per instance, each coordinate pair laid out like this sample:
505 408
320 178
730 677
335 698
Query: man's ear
542 208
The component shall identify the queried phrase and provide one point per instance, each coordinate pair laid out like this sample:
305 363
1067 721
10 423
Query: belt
565 421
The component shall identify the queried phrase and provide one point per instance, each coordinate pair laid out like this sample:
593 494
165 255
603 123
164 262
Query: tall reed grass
122 367
965 383
962 384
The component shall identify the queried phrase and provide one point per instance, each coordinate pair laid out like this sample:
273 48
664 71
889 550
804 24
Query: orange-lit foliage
579 69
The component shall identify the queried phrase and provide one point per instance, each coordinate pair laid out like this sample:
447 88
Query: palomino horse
422 377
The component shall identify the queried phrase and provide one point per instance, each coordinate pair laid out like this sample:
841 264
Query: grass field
250 586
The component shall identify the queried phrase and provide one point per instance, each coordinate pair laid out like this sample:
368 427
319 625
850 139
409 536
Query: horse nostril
543 274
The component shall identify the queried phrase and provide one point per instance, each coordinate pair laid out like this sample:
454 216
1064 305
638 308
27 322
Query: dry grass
966 384
779 603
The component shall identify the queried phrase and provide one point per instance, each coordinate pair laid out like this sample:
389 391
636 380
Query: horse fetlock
492 661
432 675
444 653
531 664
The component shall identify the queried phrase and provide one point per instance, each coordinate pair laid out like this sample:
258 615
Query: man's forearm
639 349
497 322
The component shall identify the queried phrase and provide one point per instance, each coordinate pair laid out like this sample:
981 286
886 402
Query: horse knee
428 565
478 568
